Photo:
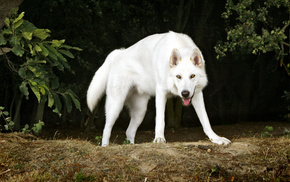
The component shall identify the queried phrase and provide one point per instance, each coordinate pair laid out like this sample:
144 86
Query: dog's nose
185 93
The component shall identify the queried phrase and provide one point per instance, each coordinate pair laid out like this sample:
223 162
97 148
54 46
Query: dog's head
187 70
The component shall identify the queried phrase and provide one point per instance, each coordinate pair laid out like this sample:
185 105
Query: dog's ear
196 58
175 58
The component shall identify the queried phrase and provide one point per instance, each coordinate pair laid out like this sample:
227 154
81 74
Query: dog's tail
98 84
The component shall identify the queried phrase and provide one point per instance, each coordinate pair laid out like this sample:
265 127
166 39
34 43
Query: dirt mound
26 158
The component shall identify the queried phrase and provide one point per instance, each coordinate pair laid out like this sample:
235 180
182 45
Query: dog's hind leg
114 105
137 105
117 91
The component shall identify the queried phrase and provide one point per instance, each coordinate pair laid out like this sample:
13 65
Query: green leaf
50 100
38 126
18 50
60 67
27 35
37 48
32 52
44 51
22 73
2 39
6 113
15 40
57 103
57 43
26 127
7 31
70 47
27 26
74 98
11 123
269 128
16 25
41 123
53 57
7 22
68 103
60 56
18 18
36 92
54 51
33 83
67 53
24 89
18 21
41 89
41 33
34 70
6 127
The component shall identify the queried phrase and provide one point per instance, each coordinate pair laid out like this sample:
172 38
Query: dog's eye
192 76
178 76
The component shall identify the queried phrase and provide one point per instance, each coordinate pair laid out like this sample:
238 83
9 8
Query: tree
33 59
256 36
259 27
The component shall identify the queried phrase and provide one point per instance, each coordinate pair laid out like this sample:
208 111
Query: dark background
242 87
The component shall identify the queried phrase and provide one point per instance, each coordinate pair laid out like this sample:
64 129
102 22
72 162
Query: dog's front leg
198 104
160 112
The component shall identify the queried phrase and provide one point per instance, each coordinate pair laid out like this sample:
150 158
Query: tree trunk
174 107
170 118
16 118
38 114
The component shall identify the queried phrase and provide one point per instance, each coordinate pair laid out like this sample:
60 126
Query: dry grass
26 158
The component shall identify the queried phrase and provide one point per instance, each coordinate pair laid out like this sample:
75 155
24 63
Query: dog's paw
220 140
159 140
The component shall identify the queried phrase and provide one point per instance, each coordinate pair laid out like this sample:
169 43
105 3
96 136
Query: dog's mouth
186 101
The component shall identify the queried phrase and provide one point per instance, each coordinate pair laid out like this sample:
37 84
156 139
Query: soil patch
250 157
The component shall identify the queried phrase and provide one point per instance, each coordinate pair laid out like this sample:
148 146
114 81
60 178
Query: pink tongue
186 102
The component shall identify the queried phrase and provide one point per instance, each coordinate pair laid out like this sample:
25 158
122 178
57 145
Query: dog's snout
185 93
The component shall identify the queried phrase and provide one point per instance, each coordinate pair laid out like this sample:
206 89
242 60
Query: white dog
163 65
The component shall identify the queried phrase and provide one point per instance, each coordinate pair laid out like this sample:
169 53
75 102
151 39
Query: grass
25 158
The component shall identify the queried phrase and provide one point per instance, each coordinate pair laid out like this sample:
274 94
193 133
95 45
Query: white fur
162 65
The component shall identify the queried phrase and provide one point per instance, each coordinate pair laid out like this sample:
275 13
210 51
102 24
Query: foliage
267 130
5 115
37 127
83 177
38 60
126 142
242 90
99 140
257 29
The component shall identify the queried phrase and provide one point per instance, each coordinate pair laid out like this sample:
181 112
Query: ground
72 155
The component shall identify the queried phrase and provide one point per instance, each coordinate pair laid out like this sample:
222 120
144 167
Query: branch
286 44
10 63
283 29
